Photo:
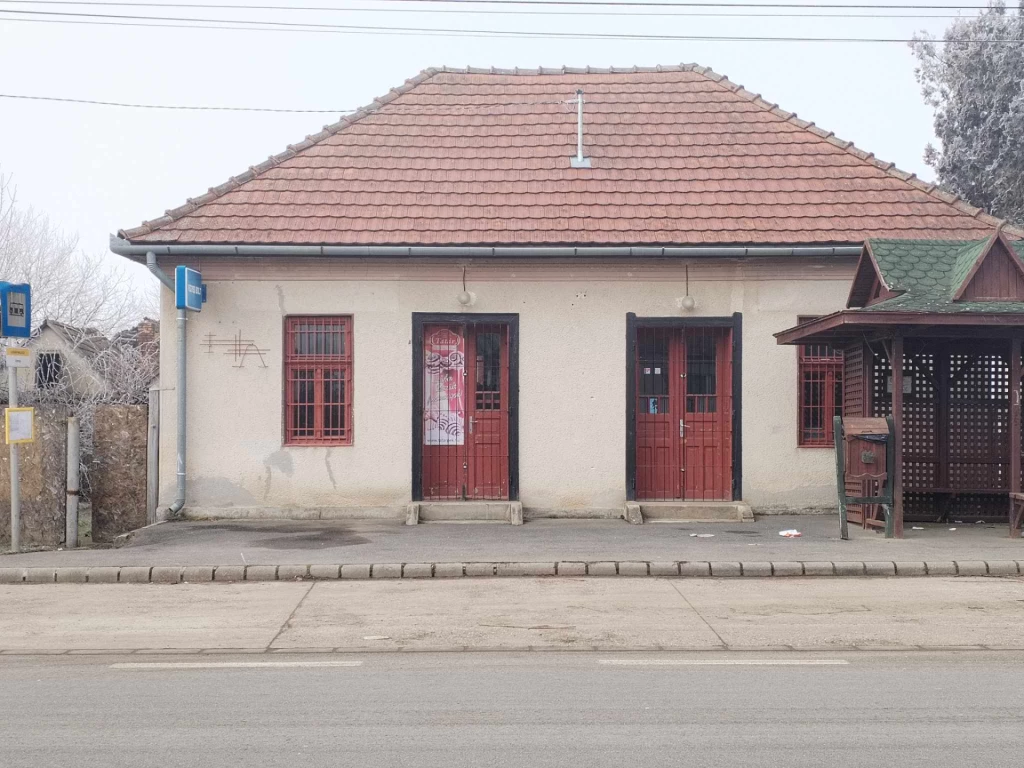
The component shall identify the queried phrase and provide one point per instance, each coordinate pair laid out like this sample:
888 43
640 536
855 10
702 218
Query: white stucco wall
572 378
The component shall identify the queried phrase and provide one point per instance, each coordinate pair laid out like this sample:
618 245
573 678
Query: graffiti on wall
240 349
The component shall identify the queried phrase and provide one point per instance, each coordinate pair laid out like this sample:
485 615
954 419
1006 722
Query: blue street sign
189 291
15 310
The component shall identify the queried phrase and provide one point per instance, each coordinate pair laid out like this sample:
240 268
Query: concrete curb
177 574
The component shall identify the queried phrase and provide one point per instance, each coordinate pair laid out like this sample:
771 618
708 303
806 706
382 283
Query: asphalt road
528 709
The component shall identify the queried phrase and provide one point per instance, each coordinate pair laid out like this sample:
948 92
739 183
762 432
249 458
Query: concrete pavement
915 710
285 550
540 614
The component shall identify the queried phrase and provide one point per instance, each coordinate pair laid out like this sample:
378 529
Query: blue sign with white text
15 310
189 291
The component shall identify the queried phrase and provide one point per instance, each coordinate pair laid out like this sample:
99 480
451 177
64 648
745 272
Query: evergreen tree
974 80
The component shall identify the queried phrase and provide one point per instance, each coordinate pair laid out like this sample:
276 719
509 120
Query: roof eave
137 251
855 321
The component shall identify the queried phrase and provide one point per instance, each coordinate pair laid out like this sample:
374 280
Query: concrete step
465 512
688 511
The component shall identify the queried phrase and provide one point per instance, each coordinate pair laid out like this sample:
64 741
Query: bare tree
68 285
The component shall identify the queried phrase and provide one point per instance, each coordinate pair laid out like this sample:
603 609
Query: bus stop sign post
15 322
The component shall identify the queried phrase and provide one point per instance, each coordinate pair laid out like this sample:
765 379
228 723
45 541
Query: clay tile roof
680 155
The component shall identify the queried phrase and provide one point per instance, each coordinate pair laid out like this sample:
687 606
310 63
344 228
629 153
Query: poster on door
444 388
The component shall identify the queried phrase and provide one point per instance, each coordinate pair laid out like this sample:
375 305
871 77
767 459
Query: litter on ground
702 535
792 533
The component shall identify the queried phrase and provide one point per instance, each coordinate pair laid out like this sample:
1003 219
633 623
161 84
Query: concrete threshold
569 569
638 512
509 512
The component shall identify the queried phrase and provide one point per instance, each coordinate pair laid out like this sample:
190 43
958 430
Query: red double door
684 414
465 411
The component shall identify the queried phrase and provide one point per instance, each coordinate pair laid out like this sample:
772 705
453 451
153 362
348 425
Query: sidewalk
336 543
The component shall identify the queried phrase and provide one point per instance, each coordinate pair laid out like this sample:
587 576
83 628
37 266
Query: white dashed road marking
233 664
724 662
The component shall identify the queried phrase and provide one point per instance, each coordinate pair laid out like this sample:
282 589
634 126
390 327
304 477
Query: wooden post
897 418
942 359
840 442
1015 424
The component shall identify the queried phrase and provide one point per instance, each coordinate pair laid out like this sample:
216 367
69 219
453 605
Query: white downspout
179 497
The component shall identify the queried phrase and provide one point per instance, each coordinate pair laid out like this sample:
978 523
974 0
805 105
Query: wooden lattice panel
966 484
920 438
979 438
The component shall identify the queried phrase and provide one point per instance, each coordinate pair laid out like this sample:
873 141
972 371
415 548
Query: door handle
472 421
682 428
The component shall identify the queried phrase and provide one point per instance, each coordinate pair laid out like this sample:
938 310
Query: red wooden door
707 414
658 439
684 414
487 376
465 412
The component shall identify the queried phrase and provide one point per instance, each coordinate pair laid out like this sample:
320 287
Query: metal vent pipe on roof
579 161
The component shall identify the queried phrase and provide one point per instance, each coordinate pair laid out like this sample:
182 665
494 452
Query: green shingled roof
927 274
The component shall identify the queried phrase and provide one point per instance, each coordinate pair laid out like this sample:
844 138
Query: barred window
318 381
820 391
49 370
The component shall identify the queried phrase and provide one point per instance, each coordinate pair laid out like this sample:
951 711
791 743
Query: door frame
419 321
735 322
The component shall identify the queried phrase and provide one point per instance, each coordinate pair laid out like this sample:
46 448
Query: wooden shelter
932 335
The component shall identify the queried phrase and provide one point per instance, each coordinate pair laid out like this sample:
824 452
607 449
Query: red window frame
819 392
318 380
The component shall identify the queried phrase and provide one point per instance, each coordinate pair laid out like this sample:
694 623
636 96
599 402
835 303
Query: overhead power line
169 106
285 26
570 3
391 107
811 11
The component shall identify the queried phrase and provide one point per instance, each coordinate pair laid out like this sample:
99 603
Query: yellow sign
20 425
19 357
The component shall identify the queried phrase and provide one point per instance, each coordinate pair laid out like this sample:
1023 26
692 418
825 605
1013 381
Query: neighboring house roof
931 275
87 341
680 155
145 333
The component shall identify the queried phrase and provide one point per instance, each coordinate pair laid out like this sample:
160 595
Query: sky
94 169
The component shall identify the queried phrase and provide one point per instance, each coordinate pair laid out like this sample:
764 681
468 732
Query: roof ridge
933 190
254 171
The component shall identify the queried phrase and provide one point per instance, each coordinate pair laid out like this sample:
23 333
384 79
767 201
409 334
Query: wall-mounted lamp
687 303
465 297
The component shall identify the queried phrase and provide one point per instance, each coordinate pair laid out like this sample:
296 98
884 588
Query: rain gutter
122 247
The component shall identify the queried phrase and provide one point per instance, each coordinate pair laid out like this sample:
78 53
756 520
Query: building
72 364
480 288
932 337
64 358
